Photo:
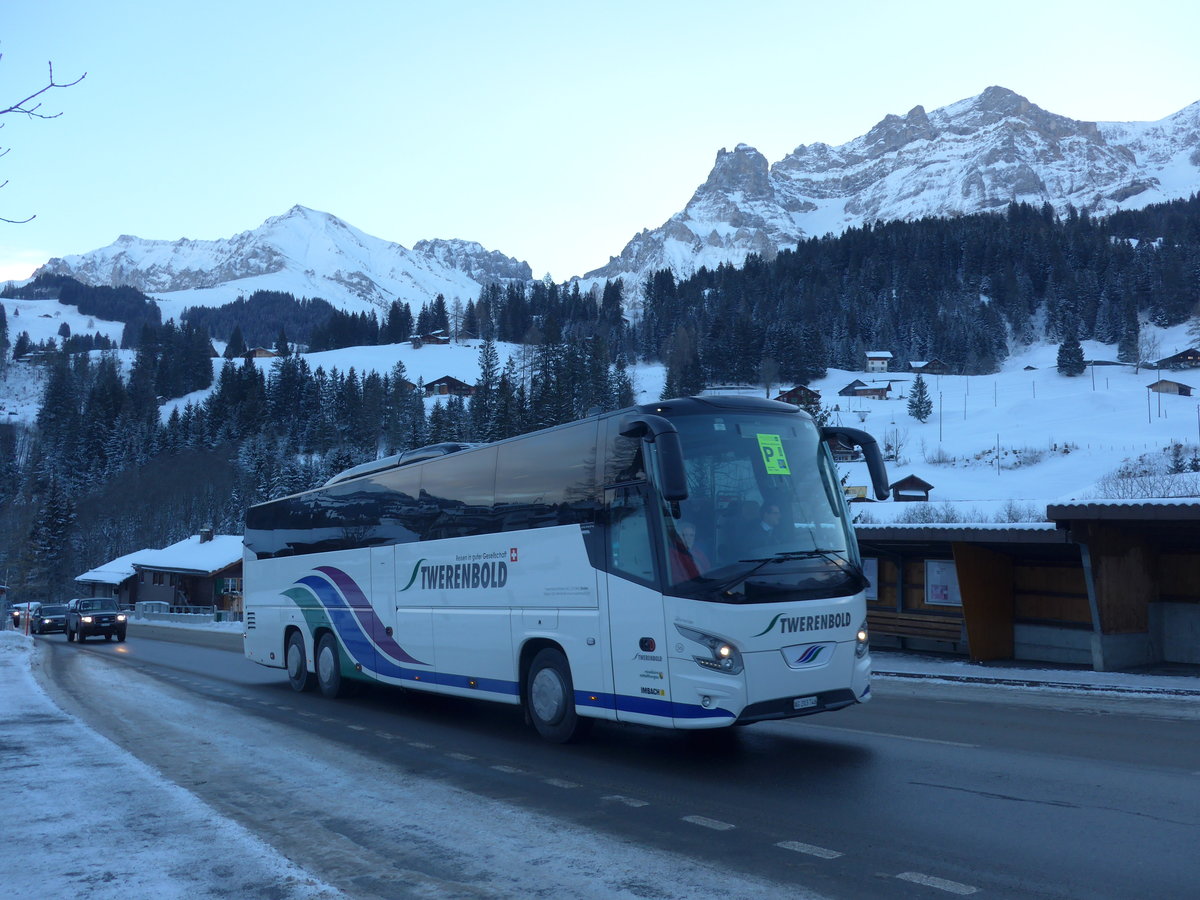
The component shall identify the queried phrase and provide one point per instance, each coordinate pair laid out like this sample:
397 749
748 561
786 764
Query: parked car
88 616
18 611
48 618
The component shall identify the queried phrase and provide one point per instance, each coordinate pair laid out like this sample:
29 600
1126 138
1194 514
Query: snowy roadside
84 818
73 796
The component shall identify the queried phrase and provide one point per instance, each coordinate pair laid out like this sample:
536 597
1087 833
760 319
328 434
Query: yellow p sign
774 458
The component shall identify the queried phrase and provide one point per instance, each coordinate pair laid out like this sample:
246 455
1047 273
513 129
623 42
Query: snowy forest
102 472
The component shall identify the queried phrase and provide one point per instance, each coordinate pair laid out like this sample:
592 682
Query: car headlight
722 655
121 617
861 641
86 620
47 621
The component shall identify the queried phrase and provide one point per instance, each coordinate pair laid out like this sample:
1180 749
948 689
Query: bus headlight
722 656
861 641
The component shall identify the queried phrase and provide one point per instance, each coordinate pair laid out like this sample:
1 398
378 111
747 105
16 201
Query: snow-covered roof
193 556
879 354
114 571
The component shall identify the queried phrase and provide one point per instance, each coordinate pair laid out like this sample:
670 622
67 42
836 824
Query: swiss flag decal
512 554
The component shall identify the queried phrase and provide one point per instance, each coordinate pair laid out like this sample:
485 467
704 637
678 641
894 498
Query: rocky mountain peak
744 171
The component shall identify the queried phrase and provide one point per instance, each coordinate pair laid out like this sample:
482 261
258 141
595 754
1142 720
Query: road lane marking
942 884
357 727
705 822
809 849
508 770
628 801
420 746
558 782
465 757
902 737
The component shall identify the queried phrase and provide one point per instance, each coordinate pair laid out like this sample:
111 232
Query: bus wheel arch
549 694
295 657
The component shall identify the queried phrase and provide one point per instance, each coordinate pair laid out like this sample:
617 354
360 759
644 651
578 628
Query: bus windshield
764 516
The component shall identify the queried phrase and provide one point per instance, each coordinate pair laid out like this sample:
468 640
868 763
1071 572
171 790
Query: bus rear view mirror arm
660 432
858 437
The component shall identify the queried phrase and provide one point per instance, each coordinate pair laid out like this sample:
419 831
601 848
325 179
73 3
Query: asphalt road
927 791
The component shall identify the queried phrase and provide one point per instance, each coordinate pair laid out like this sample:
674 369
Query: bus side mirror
658 431
870 449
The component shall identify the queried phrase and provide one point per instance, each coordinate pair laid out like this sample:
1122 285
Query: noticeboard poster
871 570
941 583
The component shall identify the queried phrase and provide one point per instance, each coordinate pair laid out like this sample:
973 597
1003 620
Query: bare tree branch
24 107
21 106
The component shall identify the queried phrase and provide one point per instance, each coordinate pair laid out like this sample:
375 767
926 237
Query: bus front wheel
551 698
329 667
297 664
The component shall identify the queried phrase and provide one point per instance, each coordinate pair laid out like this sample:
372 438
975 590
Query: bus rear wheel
550 698
297 664
329 667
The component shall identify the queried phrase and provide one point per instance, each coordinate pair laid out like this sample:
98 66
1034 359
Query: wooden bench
930 626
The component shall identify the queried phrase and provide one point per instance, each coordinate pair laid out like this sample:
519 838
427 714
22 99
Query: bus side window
630 550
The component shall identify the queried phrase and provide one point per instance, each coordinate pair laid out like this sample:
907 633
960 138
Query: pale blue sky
550 131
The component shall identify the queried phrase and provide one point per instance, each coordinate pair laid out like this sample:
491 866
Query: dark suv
48 617
95 615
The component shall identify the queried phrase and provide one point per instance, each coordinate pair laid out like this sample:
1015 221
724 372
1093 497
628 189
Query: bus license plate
804 703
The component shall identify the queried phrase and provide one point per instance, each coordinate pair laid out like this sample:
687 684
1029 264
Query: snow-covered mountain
303 252
976 155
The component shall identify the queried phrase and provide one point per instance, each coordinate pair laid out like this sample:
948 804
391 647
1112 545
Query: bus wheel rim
326 663
546 695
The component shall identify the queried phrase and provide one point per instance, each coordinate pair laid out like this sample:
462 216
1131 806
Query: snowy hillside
1059 438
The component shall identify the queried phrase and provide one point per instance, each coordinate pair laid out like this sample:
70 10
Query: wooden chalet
448 385
928 367
1166 386
910 488
1185 359
800 395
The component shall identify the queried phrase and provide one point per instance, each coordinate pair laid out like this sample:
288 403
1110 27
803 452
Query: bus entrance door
637 630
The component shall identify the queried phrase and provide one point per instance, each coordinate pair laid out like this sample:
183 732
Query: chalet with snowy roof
910 488
800 395
260 353
448 385
114 578
1185 359
927 367
204 570
1166 386
878 360
874 391
851 390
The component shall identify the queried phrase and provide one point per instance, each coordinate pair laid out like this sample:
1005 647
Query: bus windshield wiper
797 554
830 556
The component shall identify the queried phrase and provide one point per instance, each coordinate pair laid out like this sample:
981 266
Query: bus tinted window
548 480
457 495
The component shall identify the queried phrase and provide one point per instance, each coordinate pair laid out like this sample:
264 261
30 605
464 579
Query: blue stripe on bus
347 622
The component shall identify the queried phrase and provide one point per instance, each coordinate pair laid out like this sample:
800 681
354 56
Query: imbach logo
823 622
458 576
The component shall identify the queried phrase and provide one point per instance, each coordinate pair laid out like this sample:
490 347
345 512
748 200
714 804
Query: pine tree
1070 358
484 401
920 406
237 344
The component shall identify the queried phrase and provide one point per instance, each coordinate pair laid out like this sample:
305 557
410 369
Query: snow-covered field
1058 438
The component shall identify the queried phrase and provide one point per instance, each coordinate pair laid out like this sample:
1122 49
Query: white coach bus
686 564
